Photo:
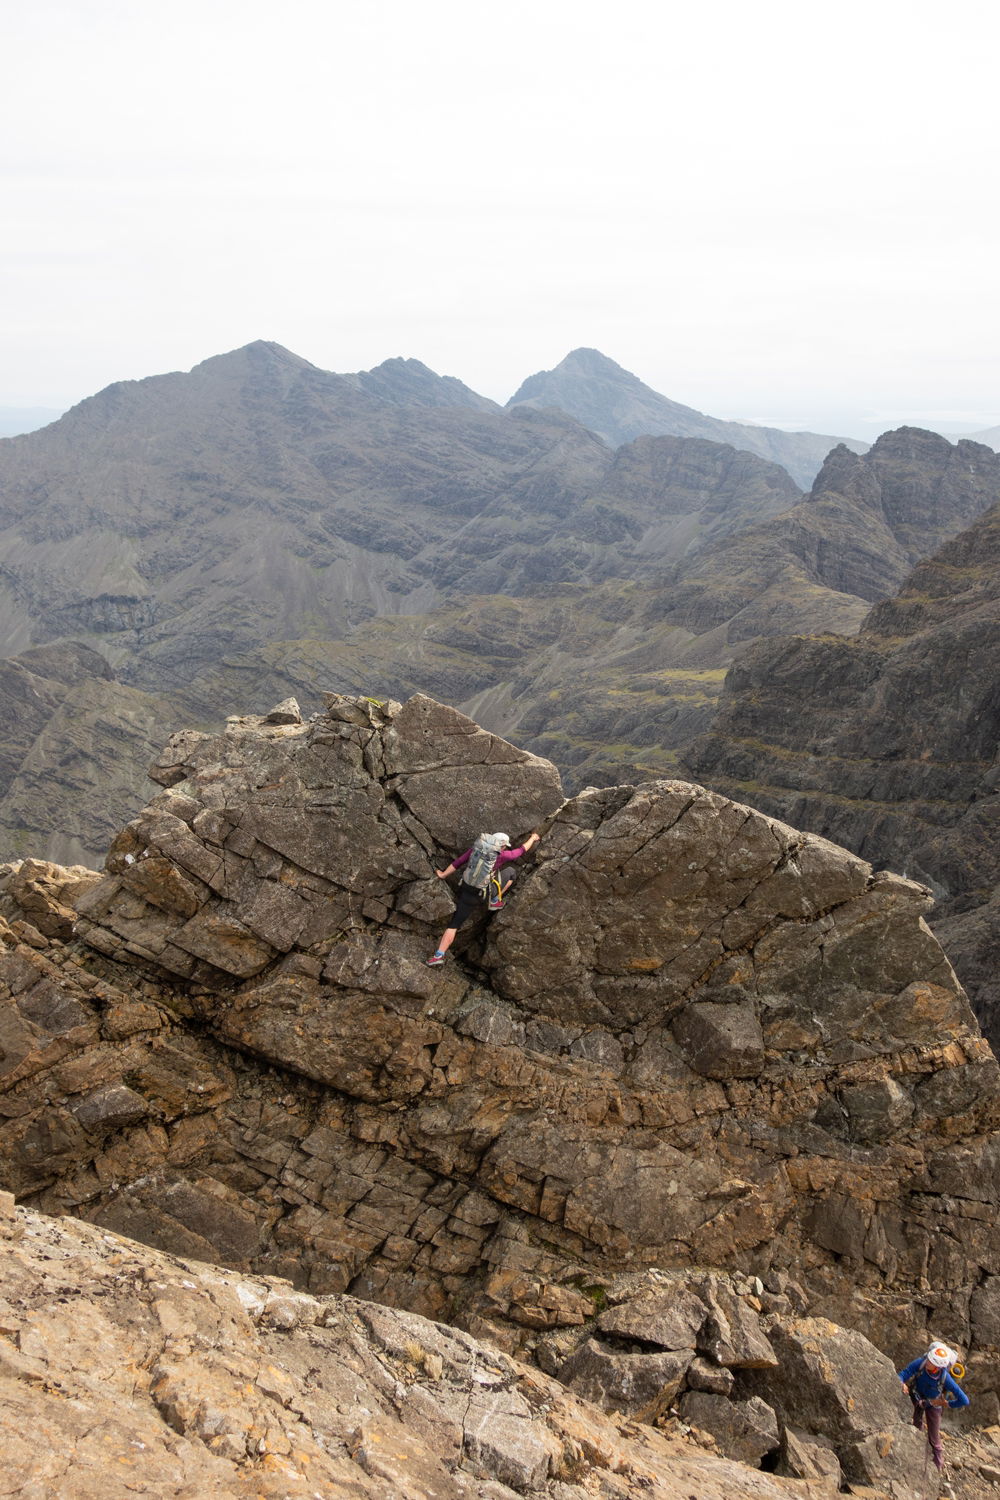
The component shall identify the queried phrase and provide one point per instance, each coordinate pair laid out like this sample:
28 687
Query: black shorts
469 902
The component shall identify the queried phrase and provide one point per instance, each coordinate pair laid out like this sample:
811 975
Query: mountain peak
409 382
921 485
594 362
912 442
260 354
600 376
619 407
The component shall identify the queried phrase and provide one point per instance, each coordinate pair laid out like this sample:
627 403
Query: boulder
745 1430
732 1333
802 1457
669 1319
876 1111
896 1456
833 1381
640 1385
703 1375
110 1107
459 780
285 712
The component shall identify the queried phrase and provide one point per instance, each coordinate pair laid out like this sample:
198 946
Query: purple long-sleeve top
503 858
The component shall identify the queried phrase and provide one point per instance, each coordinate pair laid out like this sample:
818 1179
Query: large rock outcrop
701 1107
694 1036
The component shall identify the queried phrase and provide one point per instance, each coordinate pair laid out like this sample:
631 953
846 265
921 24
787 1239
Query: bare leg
447 938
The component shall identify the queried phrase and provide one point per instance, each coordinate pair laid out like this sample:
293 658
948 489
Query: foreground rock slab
124 1371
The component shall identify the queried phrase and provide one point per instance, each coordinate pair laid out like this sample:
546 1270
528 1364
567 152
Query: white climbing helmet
940 1357
502 838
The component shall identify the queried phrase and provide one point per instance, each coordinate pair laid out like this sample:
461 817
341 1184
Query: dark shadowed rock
887 743
721 1041
110 1107
875 1111
984 1312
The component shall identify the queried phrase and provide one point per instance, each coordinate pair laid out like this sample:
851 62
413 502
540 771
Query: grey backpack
482 860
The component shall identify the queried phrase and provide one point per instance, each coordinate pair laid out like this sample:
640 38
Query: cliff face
918 486
73 744
852 541
888 742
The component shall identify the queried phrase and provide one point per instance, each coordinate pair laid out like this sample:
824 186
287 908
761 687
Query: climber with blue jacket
930 1385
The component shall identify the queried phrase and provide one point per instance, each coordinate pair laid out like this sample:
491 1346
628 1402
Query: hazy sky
775 211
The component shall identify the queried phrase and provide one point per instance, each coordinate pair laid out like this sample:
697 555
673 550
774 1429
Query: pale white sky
777 211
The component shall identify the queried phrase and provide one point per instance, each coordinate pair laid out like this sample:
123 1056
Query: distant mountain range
601 394
191 545
619 407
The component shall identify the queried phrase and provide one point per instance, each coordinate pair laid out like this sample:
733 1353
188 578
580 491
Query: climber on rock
930 1385
482 881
